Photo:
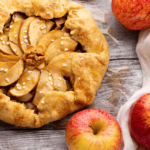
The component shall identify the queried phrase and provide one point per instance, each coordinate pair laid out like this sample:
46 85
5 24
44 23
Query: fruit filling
35 58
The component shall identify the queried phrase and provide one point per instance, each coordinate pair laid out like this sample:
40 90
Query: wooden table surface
122 79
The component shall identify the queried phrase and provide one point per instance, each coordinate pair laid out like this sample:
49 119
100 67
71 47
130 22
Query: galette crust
86 70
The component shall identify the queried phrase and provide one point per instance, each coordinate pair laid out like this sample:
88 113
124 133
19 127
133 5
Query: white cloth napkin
143 52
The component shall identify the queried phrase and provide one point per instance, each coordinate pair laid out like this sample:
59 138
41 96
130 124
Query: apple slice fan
143 52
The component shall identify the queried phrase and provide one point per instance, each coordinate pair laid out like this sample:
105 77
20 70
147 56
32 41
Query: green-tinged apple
93 129
134 14
139 121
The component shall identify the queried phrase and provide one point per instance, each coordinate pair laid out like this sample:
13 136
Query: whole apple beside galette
93 129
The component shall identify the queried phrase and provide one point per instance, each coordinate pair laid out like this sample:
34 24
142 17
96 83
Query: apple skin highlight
133 14
139 121
93 129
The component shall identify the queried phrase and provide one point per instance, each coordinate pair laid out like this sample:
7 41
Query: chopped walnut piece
35 56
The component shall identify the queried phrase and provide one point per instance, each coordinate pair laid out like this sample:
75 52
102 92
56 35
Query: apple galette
53 58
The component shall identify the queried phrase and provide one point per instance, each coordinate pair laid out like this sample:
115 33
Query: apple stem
94 130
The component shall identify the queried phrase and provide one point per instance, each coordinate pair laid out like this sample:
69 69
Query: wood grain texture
33 140
122 79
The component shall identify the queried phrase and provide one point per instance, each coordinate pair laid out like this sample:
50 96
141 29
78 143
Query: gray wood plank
33 140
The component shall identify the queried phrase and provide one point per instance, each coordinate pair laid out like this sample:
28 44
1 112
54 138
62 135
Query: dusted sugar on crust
53 58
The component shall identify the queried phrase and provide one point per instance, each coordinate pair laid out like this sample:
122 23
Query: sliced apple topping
5 66
63 63
26 97
16 49
61 45
65 29
14 32
14 38
7 58
45 84
50 37
59 22
23 35
26 83
37 28
13 74
4 45
49 24
18 17
59 81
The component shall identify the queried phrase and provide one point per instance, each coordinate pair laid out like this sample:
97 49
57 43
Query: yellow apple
93 129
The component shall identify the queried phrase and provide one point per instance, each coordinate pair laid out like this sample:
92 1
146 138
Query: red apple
134 14
139 121
93 129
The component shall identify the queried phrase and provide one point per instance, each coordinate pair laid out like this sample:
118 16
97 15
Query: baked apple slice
5 66
18 17
48 38
4 45
59 81
26 97
59 22
16 49
45 84
9 58
63 63
41 66
14 38
23 35
37 28
26 83
63 44
13 74
49 24
65 29
14 32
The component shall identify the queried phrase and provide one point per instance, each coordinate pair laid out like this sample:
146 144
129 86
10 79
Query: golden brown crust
59 105
16 113
57 9
88 72
85 70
